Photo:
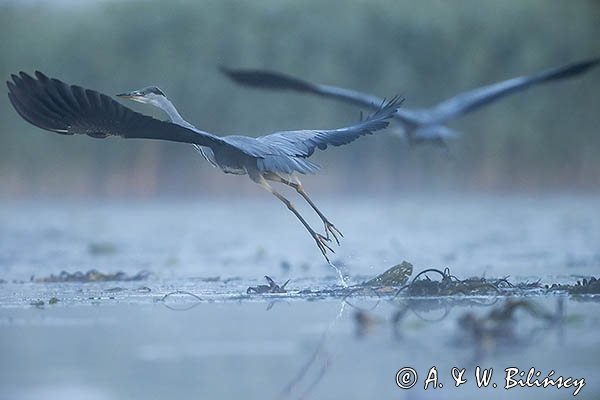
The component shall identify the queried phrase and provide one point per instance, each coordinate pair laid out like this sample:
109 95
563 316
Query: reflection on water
295 349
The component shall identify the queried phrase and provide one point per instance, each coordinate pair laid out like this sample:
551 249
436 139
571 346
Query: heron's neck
164 104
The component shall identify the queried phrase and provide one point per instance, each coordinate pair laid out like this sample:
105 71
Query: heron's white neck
165 104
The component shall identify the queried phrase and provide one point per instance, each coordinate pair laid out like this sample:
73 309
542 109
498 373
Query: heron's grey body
418 125
69 109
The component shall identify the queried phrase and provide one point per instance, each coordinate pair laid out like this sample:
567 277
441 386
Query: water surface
113 340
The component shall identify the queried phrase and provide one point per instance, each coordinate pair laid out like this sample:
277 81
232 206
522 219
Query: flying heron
55 106
418 125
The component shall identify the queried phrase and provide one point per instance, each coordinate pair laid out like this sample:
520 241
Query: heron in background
55 106
418 124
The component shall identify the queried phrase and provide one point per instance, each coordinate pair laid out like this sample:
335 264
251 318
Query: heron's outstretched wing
67 109
472 100
303 143
275 80
287 152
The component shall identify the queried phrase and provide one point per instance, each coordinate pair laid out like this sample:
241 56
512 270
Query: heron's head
150 95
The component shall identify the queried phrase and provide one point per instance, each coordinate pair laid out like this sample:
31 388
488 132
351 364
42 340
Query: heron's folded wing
67 109
471 100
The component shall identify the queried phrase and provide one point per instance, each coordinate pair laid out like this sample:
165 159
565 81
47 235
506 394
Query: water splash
339 273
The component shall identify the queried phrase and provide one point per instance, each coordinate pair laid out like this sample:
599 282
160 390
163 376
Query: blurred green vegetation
545 139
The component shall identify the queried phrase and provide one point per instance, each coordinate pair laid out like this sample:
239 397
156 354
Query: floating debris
394 277
91 276
591 286
180 293
272 287
232 279
393 282
102 249
450 285
211 279
115 290
40 303
37 303
585 286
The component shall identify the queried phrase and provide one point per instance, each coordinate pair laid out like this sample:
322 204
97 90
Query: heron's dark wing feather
67 109
303 143
274 80
472 100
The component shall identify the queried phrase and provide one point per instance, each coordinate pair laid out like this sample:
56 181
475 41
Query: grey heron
55 106
418 125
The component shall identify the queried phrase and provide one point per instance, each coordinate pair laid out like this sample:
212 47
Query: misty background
544 140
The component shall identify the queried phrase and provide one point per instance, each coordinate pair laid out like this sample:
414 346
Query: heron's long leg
320 239
329 227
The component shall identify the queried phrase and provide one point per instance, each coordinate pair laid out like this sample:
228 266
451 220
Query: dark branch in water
181 292
585 286
272 287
